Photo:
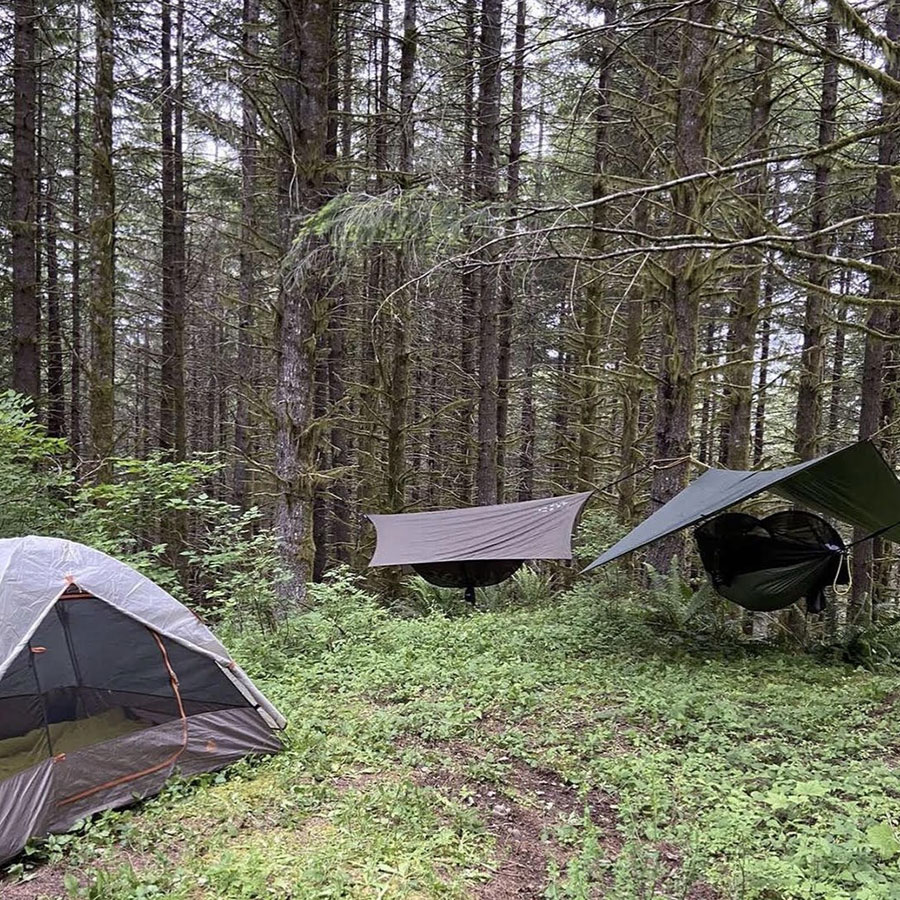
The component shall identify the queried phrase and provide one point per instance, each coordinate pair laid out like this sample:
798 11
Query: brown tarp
533 529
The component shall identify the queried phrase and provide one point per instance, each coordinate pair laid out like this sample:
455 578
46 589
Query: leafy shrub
876 647
129 517
422 598
340 611
35 483
673 603
597 532
528 586
238 567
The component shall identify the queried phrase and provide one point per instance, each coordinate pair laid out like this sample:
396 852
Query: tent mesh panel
91 673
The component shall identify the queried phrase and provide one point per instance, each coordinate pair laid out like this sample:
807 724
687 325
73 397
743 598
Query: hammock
768 564
771 563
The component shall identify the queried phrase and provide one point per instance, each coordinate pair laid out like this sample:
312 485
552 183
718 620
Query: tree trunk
402 324
246 357
75 356
562 445
101 305
745 310
340 444
631 399
678 357
320 503
507 289
172 433
707 412
812 361
26 350
837 372
306 55
382 125
859 610
468 278
486 191
527 426
147 435
408 51
632 371
346 130
765 330
56 401
590 336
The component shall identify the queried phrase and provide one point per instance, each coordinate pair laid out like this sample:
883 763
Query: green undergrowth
725 770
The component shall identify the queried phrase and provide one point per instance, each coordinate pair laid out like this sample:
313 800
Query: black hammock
768 564
468 574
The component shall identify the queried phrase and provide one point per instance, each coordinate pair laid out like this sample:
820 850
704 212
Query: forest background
273 265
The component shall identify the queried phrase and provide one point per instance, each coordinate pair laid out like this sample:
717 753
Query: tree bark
26 324
745 310
56 400
101 305
631 399
812 360
632 371
487 126
469 273
859 609
306 57
590 337
678 357
527 425
765 330
562 368
507 287
340 444
399 388
249 266
707 412
75 356
837 372
172 431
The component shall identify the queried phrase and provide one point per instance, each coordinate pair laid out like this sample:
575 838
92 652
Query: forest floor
561 752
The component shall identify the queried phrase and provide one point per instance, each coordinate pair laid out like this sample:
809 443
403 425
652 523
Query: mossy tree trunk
102 301
684 274
859 611
305 36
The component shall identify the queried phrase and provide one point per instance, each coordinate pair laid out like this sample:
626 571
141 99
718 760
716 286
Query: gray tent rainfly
480 545
854 485
107 686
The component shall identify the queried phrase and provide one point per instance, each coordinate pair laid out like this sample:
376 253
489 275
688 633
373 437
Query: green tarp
854 485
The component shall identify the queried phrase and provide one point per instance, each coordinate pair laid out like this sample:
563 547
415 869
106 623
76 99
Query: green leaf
883 839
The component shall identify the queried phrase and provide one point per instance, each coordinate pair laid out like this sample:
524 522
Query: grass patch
567 751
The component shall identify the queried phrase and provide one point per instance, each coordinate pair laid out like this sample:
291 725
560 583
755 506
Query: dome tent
107 686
